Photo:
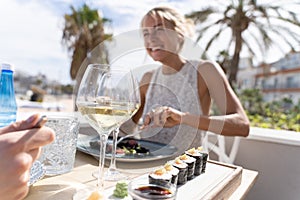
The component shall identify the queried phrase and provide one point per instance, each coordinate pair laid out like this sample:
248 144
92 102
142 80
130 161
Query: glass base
112 175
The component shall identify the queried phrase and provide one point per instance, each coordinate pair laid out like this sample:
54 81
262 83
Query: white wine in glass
127 94
102 100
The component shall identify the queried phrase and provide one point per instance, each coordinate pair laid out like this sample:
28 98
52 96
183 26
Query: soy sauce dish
141 189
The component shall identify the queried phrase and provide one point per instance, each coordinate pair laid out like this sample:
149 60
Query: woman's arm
144 84
213 84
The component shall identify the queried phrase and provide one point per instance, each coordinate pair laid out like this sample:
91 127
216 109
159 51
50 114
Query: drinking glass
103 99
128 96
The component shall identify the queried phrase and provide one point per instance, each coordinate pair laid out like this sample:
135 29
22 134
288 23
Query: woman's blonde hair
182 25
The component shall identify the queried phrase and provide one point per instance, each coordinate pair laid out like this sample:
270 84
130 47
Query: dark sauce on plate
153 190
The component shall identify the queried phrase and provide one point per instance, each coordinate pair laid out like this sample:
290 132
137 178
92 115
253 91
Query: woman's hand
20 146
163 117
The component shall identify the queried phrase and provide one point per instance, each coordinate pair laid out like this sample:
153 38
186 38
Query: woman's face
160 39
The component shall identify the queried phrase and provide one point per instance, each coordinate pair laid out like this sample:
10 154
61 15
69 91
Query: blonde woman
177 97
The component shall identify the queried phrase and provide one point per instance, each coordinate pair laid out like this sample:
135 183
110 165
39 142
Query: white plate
108 193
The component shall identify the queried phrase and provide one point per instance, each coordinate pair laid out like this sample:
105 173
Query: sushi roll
199 160
173 171
205 157
183 169
190 161
160 177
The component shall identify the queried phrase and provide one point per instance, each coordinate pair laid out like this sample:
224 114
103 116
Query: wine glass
88 106
103 100
129 96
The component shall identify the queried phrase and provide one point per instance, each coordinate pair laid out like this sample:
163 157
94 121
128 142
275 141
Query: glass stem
112 166
103 141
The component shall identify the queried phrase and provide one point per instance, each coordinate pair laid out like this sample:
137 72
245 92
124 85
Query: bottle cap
6 66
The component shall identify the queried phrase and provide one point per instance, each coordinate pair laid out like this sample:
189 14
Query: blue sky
31 30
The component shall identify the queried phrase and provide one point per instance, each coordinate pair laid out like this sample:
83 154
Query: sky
31 30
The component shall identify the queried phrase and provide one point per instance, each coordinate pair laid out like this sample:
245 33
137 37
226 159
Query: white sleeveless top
179 91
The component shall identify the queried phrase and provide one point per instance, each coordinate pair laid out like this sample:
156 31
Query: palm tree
83 32
251 26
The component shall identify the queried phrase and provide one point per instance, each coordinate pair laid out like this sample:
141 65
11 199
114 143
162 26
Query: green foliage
281 114
67 89
84 29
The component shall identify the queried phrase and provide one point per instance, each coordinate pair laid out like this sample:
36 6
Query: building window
263 84
275 83
290 82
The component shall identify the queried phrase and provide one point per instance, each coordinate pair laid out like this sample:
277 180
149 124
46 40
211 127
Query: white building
276 80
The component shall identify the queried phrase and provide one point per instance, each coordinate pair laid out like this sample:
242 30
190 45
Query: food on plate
160 177
190 161
173 171
96 195
128 147
183 170
121 190
132 146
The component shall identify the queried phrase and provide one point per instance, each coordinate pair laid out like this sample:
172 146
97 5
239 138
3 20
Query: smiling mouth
152 49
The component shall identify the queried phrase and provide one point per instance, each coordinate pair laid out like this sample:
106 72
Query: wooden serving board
218 182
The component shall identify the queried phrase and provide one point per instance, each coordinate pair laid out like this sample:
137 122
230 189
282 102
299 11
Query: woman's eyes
159 28
154 30
145 34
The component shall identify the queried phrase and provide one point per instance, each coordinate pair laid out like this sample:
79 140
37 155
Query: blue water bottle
8 104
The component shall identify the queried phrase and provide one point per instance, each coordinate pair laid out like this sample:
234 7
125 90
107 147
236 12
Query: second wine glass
125 98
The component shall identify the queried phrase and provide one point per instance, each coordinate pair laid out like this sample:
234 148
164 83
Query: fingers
19 150
35 138
21 168
42 137
22 163
42 120
22 125
30 122
157 117
165 114
35 153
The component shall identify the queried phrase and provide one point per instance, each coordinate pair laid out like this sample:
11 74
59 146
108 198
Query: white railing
275 154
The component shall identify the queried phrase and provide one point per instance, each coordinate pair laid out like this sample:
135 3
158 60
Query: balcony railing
281 86
275 155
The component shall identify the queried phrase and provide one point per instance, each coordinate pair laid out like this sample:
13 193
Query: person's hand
162 117
20 146
21 125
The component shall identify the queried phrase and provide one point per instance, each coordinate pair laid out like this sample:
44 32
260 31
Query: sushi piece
205 157
199 160
173 171
160 177
183 169
190 161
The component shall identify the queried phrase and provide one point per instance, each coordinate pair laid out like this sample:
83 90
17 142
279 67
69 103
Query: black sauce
154 190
